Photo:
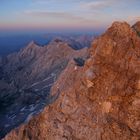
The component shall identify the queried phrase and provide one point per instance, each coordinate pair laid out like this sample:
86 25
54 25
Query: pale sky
66 14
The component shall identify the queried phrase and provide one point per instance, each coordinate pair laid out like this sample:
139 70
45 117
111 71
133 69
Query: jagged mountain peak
119 24
32 49
119 30
56 40
59 45
32 44
119 36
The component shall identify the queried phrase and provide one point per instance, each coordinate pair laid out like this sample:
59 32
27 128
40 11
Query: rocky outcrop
99 101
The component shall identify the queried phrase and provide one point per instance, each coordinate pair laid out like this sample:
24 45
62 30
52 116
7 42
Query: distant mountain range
12 43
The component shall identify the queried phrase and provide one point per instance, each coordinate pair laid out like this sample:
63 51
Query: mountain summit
97 101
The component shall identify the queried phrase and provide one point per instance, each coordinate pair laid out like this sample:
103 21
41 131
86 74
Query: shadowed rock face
26 79
136 27
99 101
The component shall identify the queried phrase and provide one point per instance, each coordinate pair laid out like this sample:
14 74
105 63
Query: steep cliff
99 101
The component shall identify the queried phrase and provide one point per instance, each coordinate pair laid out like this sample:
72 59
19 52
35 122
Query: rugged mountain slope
26 78
34 61
99 101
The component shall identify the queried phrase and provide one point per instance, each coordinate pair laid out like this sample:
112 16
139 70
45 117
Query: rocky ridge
99 101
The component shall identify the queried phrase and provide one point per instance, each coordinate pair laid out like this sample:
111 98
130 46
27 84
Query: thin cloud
96 4
57 1
60 15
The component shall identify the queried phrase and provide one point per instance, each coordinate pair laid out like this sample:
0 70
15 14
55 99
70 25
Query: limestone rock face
99 101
